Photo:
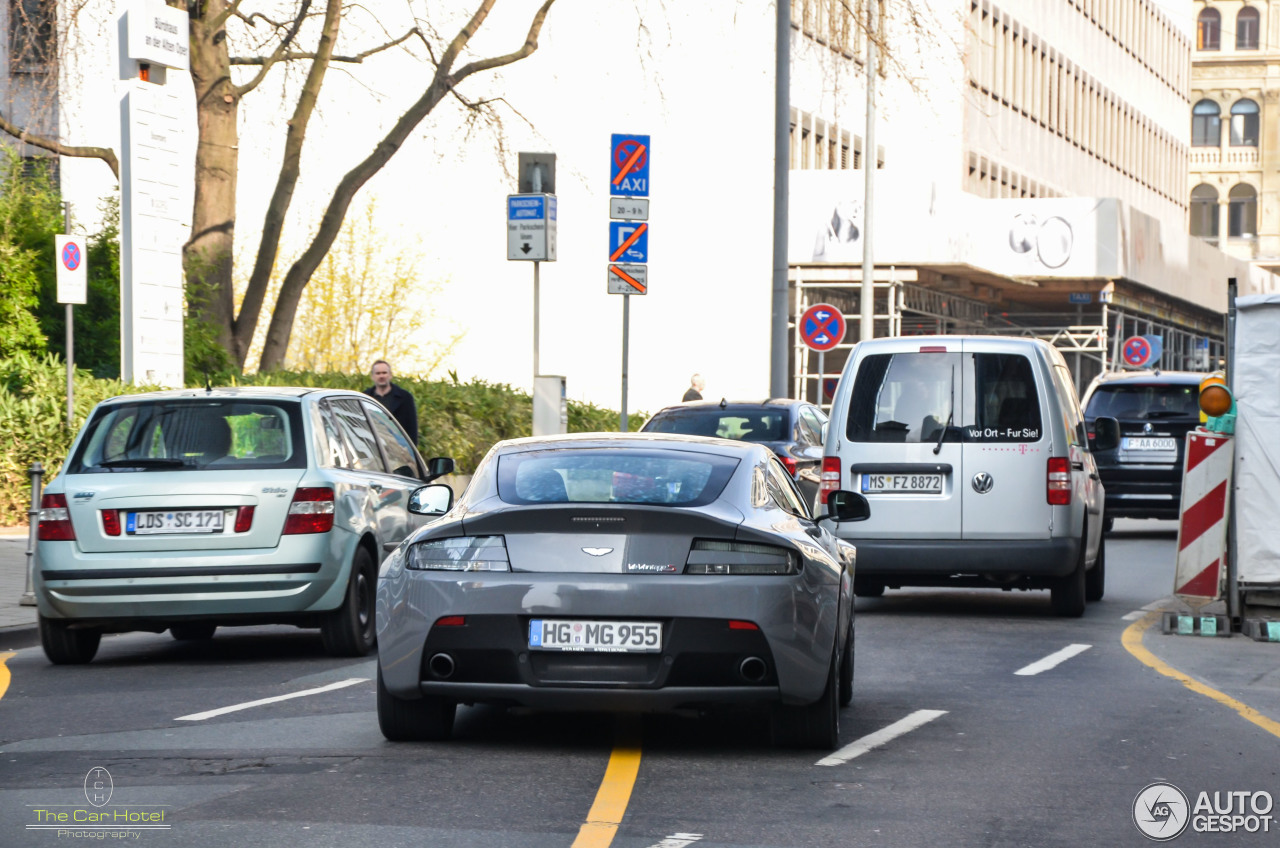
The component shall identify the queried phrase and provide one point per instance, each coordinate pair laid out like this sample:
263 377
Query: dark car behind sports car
792 429
1156 409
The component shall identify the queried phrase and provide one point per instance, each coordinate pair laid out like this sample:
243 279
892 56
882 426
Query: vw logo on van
982 482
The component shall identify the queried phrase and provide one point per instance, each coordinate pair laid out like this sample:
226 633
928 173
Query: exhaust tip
441 666
753 669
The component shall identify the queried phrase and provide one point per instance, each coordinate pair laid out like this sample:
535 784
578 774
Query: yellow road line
1132 640
615 790
4 673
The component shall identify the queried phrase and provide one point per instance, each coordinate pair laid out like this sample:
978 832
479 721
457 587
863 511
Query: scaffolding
1090 341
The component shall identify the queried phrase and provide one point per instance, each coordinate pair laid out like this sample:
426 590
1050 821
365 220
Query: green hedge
461 420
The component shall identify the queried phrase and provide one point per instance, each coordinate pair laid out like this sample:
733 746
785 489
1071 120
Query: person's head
697 382
381 373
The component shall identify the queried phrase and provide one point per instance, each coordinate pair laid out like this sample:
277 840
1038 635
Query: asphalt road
1048 757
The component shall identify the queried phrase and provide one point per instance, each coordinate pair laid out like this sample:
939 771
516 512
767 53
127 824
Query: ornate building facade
1235 128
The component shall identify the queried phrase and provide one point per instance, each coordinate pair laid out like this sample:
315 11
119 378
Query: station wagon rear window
175 435
668 478
928 397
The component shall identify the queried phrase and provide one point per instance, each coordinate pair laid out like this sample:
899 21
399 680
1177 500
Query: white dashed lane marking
875 740
1054 659
341 684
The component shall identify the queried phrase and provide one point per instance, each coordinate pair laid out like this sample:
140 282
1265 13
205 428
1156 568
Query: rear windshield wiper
143 462
951 416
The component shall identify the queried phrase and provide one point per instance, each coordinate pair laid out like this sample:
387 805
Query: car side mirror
438 466
843 505
1106 434
434 499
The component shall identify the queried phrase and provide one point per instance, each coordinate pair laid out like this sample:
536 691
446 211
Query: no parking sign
73 276
822 327
1141 351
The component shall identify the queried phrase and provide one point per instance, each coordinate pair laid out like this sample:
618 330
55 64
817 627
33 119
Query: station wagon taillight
310 512
55 520
1059 481
111 522
244 519
830 477
789 464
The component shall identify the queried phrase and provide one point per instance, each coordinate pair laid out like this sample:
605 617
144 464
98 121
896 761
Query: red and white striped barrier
1202 523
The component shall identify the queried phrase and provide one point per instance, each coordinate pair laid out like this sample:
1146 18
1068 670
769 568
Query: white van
973 453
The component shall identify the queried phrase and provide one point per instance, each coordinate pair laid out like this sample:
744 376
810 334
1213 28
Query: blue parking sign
628 241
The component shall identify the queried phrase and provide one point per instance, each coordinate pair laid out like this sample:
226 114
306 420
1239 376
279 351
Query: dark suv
793 429
1156 409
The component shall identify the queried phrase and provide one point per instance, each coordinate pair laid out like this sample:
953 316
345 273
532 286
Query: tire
815 725
1067 595
426 719
194 632
349 630
867 589
65 646
1095 580
846 670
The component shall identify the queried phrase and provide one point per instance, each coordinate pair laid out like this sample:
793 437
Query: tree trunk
290 170
207 256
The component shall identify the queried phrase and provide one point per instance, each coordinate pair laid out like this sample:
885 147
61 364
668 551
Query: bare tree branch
218 22
356 59
106 154
281 49
444 81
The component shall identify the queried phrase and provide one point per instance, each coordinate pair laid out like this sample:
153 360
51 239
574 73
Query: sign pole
626 329
822 377
71 350
536 299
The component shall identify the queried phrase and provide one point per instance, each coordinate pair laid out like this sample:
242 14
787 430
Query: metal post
36 471
822 378
867 327
779 355
1234 611
626 332
71 350
536 369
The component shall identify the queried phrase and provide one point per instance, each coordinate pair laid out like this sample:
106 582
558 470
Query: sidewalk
16 621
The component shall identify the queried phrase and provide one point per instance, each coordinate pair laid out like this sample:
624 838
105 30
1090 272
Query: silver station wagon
189 509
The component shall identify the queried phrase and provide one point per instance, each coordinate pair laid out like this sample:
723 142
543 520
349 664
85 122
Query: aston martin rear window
613 476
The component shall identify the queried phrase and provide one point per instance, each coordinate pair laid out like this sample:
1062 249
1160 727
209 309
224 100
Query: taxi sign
629 165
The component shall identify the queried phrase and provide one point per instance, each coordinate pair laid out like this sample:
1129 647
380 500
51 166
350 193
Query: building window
31 35
1208 30
1206 124
1244 124
1242 212
1204 212
1247 29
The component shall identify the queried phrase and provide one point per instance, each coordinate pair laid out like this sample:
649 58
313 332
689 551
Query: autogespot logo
1160 811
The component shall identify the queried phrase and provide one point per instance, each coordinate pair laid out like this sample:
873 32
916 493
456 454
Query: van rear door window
910 397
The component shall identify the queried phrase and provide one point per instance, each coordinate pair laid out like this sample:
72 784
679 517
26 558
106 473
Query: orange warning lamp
1215 397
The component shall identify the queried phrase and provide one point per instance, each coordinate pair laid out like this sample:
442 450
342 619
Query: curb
18 636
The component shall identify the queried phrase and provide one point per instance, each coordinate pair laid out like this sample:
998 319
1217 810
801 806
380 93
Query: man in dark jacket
694 392
399 402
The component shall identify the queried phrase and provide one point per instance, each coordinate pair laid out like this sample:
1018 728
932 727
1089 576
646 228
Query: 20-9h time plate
552 634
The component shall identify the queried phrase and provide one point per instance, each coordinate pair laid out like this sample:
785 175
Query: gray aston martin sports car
628 572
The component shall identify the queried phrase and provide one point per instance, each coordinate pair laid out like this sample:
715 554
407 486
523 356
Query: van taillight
1059 481
310 512
55 520
830 477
